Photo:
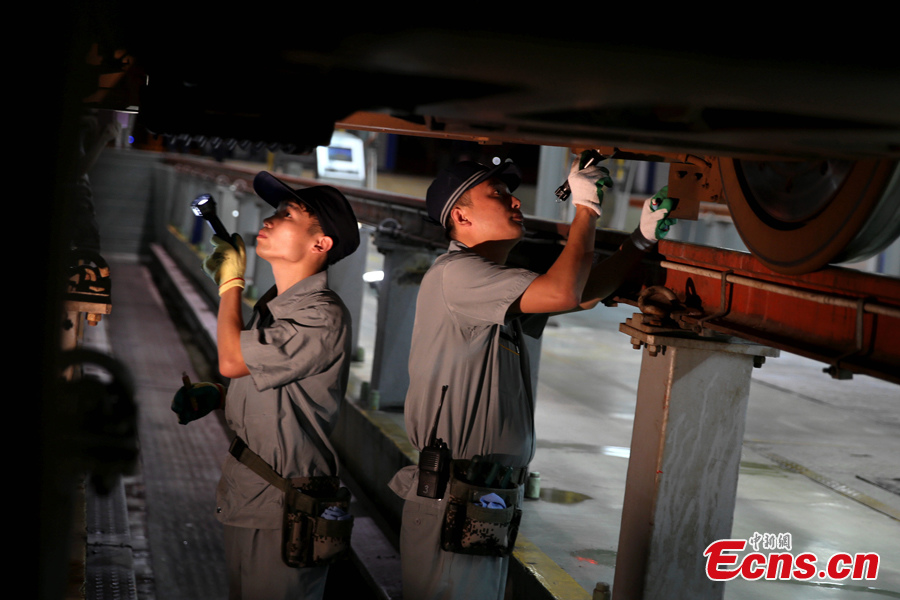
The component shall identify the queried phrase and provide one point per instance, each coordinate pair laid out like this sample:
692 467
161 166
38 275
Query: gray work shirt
297 348
463 338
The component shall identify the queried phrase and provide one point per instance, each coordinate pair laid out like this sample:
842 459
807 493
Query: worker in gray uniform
289 370
470 383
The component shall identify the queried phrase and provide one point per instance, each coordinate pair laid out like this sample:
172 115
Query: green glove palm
655 223
227 263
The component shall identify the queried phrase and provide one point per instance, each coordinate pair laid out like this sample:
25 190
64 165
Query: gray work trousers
256 571
430 573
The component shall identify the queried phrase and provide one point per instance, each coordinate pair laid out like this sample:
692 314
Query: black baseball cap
328 204
452 183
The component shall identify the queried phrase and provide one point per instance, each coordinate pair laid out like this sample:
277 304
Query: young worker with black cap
289 371
470 381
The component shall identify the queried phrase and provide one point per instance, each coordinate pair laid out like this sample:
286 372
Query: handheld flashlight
204 206
593 157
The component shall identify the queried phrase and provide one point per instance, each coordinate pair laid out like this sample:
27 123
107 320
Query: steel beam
845 318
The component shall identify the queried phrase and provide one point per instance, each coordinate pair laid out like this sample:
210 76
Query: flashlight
593 157
204 206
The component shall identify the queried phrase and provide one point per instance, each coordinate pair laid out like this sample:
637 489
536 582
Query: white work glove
587 185
227 263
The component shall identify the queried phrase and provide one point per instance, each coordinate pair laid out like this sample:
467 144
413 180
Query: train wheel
797 217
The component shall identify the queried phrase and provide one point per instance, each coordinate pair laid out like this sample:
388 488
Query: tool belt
472 529
308 539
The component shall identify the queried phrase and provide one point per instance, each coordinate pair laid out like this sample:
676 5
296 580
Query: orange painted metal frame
826 315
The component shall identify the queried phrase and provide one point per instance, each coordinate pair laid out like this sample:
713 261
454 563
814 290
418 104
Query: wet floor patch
574 447
562 496
596 556
617 451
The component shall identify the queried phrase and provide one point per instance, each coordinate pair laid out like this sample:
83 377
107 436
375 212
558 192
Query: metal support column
534 359
346 279
553 168
685 455
404 265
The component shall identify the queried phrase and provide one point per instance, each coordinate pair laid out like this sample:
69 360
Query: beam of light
619 451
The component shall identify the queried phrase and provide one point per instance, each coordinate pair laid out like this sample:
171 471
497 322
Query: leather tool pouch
308 539
472 529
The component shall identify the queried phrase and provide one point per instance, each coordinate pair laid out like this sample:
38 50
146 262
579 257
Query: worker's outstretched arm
229 325
606 276
561 288
226 267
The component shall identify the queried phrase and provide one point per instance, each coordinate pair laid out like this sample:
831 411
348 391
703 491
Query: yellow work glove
227 263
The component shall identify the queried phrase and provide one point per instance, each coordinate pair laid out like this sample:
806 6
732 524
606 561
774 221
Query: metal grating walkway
180 464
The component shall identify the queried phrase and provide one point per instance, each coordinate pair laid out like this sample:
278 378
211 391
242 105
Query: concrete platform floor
840 430
843 437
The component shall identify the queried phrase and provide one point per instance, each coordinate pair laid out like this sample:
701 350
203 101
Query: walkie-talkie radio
434 461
